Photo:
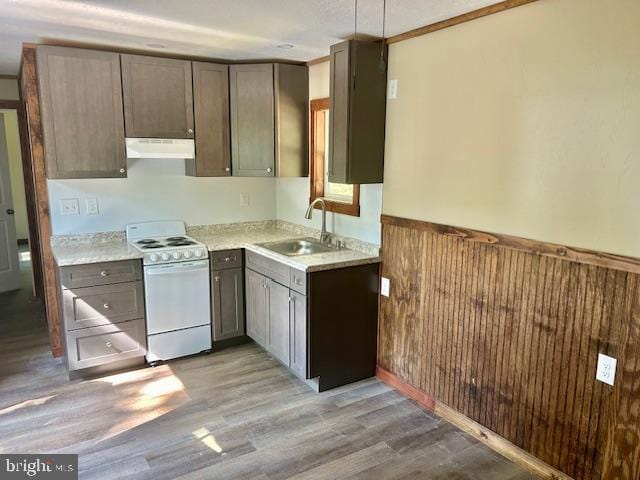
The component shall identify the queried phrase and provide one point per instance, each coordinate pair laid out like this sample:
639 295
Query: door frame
25 152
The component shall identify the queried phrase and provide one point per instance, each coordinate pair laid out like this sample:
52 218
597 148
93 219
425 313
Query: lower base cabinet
227 304
277 320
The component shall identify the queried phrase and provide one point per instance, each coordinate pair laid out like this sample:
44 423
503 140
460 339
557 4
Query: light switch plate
92 206
69 206
393 89
244 199
384 286
606 371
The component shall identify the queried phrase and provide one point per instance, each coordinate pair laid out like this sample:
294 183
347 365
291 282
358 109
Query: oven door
177 296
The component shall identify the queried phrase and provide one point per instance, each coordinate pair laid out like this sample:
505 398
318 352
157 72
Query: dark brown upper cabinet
357 112
269 109
211 112
158 97
81 109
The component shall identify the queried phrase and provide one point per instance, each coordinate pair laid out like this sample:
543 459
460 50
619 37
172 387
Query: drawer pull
227 259
216 278
107 306
104 273
108 344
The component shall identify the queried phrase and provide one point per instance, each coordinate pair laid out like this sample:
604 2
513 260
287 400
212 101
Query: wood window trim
316 160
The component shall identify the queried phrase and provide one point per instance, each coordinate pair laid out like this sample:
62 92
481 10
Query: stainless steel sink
299 246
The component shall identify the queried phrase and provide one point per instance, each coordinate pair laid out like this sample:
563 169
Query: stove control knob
187 254
176 255
197 253
165 256
153 257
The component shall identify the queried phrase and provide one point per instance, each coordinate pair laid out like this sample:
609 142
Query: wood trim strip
12 77
574 254
465 17
484 435
32 104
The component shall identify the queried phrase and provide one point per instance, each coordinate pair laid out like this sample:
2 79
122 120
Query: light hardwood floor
232 414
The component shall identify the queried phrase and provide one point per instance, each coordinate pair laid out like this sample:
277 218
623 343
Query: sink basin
299 246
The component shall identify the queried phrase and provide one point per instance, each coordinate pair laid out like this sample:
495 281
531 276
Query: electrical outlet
606 371
92 206
69 206
384 286
244 199
393 90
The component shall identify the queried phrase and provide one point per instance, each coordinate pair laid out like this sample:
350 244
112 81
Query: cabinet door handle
107 306
104 273
216 278
122 170
190 131
269 170
227 169
10 211
108 344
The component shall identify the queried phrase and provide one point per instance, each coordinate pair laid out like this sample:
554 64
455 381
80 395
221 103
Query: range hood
160 148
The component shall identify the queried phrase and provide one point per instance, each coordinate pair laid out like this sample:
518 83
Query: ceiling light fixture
286 46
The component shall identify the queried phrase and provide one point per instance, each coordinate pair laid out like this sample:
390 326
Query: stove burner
152 245
180 243
146 241
176 239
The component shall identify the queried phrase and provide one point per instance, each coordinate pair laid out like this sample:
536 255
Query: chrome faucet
324 235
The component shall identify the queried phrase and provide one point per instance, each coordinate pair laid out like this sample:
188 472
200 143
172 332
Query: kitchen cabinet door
227 303
211 113
278 326
81 108
257 303
251 90
358 110
298 334
158 97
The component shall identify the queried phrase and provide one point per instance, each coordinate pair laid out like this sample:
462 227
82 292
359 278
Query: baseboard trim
491 439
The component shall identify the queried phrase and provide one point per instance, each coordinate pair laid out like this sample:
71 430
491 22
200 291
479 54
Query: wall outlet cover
69 206
385 285
606 371
392 92
92 206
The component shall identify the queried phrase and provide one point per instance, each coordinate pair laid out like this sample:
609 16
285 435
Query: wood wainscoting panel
509 337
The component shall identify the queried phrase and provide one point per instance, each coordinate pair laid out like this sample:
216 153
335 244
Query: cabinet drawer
226 259
102 305
100 273
299 281
94 346
270 268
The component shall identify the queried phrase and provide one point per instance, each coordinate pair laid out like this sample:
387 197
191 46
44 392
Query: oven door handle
177 268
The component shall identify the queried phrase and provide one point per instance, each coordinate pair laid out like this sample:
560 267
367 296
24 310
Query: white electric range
177 293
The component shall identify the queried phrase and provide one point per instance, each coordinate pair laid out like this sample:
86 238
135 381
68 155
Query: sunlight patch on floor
27 403
209 440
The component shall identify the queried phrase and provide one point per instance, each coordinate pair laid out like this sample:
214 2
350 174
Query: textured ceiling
230 29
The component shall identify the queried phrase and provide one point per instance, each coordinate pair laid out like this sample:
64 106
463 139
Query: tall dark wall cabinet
211 113
81 105
269 108
358 108
158 97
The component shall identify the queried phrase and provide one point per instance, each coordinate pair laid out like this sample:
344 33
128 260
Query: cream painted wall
159 190
292 194
526 123
15 172
9 89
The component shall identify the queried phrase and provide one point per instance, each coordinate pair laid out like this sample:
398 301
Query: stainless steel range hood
160 148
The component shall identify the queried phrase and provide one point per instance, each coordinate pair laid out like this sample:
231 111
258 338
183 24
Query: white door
9 267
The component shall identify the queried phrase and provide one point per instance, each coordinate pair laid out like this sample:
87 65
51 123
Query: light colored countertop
109 247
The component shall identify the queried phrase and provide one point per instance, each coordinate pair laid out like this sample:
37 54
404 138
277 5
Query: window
339 197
